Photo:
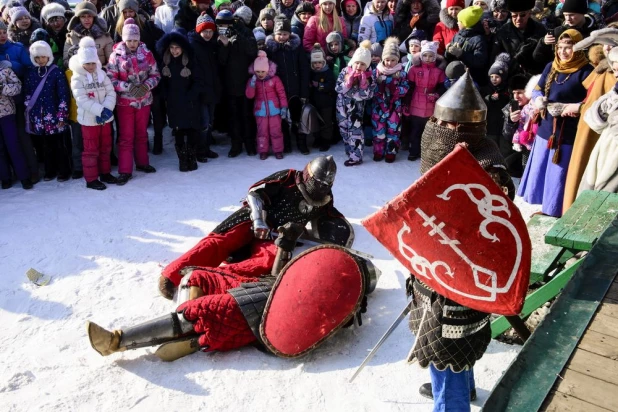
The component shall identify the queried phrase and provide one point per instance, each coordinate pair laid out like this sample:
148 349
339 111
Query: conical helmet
462 103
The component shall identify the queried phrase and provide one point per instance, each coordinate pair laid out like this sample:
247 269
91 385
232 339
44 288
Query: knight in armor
451 337
285 196
221 308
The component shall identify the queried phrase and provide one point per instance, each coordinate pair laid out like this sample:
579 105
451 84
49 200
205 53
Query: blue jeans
451 391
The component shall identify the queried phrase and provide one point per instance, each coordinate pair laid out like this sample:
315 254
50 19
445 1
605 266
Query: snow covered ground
105 251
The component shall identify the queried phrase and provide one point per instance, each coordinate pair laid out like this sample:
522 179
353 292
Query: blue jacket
18 55
50 112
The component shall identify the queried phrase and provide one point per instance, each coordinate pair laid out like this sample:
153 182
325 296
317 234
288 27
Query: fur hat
260 34
52 10
376 49
282 24
455 3
204 22
455 70
501 66
317 54
85 7
390 49
224 17
429 47
305 7
334 36
519 6
518 82
130 30
87 51
362 54
575 6
176 36
40 48
17 13
245 14
469 16
260 64
40 35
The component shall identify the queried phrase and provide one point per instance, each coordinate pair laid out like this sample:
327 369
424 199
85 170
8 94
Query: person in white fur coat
96 99
165 14
602 117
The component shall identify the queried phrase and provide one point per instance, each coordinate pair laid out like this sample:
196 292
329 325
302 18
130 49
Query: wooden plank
600 344
569 238
584 236
594 365
560 402
605 325
544 255
609 308
537 298
584 201
612 293
588 389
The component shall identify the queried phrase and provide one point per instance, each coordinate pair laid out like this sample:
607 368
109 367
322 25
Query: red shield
457 232
316 293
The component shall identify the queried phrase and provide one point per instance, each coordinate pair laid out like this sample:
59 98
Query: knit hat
40 48
260 64
224 17
498 5
376 49
204 22
266 13
52 10
17 13
328 1
455 70
260 34
429 47
518 82
245 14
455 3
317 54
282 24
390 49
469 16
128 4
130 30
519 6
575 6
39 35
305 7
334 36
87 51
501 66
218 3
362 54
85 7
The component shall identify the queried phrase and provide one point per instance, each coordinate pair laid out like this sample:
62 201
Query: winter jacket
427 80
339 61
164 17
59 39
375 27
426 21
298 28
98 32
18 55
23 36
475 51
314 34
352 23
255 5
205 53
92 92
149 34
269 94
182 94
292 65
495 99
235 59
520 46
187 15
445 30
34 8
281 9
322 88
50 113
389 94
11 86
523 131
125 69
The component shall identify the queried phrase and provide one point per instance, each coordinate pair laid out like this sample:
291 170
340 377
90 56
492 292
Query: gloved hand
133 90
455 50
288 235
260 229
253 80
143 90
284 112
106 114
517 147
99 120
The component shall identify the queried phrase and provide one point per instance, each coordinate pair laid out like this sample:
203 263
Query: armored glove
259 226
288 235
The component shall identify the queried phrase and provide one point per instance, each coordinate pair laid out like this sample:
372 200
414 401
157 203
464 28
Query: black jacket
427 22
323 95
235 59
520 46
495 99
292 65
187 15
205 53
149 35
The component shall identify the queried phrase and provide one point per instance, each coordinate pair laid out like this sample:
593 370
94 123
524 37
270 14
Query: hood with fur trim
448 21
272 70
40 48
175 36
293 43
440 62
534 80
76 67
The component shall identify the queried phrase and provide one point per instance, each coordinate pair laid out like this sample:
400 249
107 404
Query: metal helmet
462 103
319 176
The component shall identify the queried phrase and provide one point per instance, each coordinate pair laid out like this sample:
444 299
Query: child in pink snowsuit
270 105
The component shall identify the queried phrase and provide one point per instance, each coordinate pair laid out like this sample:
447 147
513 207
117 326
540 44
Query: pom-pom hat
362 54
130 30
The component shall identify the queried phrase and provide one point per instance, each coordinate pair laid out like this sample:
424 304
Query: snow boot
146 169
183 160
301 143
109 178
26 184
123 178
426 392
191 159
96 185
235 150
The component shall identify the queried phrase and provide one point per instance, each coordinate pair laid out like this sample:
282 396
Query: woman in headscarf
558 96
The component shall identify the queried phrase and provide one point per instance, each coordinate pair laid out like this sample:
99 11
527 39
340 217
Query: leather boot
150 333
183 162
301 143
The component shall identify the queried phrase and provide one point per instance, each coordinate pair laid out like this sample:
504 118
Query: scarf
576 62
388 72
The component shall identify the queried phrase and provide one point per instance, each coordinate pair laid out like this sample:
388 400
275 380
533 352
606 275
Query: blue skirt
543 181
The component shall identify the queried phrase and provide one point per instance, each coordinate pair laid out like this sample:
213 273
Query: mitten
99 120
106 114
133 90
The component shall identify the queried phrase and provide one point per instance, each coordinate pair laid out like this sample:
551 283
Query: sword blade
390 330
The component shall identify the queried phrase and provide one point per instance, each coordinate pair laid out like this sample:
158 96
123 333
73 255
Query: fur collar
448 21
602 67
293 43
